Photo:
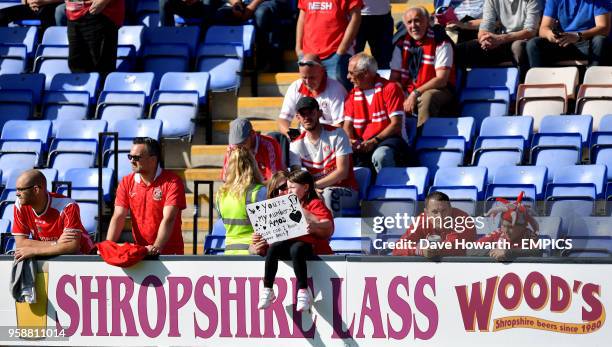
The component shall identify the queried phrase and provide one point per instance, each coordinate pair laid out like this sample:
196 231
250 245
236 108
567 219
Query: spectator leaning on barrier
154 197
93 29
517 224
377 30
325 151
423 64
438 222
519 21
374 116
328 28
320 228
242 186
266 149
572 29
43 10
52 220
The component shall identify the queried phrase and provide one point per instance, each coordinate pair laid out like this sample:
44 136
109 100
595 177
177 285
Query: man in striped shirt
374 115
325 151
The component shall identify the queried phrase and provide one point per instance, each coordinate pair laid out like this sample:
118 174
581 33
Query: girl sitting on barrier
277 186
320 228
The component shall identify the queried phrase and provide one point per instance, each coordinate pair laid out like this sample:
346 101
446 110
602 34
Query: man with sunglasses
52 220
154 197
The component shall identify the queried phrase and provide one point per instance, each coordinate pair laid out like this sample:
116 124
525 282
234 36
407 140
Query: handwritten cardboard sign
278 219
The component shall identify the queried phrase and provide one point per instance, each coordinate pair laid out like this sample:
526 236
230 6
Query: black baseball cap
307 102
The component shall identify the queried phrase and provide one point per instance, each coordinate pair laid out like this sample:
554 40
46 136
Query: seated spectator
313 82
43 10
320 229
423 64
572 29
325 152
328 30
266 150
242 186
377 30
517 224
496 44
52 220
433 224
468 16
374 115
188 9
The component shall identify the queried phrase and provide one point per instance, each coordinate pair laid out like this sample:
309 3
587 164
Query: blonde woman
243 185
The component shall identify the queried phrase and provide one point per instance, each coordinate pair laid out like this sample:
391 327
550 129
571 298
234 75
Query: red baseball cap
122 255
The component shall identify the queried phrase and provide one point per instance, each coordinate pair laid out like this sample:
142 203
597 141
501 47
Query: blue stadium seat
89 217
450 128
214 244
347 227
509 181
16 162
559 141
550 227
591 227
19 96
438 152
177 101
404 179
239 35
224 64
128 46
5 226
124 166
125 96
169 49
363 175
13 59
20 36
10 245
601 145
147 12
590 247
218 228
463 185
6 211
493 78
85 184
484 103
350 245
75 145
17 133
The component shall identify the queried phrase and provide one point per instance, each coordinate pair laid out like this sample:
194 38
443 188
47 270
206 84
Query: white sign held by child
278 219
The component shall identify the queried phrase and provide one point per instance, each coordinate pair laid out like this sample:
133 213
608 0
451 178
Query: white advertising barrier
357 303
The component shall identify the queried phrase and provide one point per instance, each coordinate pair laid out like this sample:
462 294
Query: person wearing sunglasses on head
154 197
52 220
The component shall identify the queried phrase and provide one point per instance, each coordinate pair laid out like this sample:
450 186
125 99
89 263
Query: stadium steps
265 107
264 126
270 84
397 10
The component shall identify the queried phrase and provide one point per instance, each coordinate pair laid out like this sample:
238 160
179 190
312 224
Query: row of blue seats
158 50
24 144
175 102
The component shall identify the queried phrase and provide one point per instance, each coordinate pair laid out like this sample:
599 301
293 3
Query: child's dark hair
304 177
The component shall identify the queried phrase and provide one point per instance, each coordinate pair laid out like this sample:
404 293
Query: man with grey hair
374 115
423 64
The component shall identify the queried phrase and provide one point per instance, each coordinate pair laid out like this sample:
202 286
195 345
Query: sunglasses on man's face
134 157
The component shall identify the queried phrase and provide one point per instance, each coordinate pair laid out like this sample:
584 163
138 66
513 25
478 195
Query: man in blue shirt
572 29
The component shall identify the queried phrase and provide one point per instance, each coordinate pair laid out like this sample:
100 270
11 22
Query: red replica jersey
61 213
370 118
115 10
324 24
319 210
146 205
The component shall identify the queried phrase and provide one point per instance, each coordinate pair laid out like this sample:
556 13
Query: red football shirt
319 210
115 10
146 205
61 213
325 23
267 154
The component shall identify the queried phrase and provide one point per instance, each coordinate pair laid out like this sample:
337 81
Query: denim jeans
337 68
